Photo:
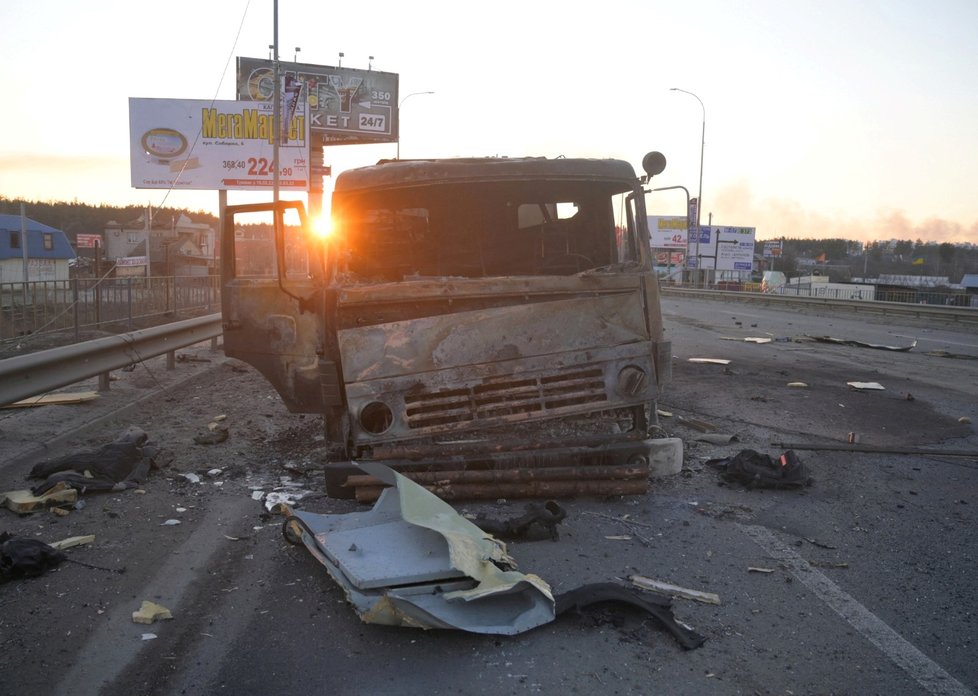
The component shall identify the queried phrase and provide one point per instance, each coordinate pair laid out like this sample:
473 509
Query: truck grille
502 398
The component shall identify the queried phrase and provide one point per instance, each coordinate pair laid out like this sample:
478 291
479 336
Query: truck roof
401 173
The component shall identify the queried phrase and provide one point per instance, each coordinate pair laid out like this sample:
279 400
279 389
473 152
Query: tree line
81 218
841 259
844 259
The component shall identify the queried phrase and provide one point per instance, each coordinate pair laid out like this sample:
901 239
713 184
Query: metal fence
916 296
110 303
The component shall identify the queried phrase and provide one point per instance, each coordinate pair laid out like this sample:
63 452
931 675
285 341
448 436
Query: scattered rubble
151 612
413 561
755 470
674 590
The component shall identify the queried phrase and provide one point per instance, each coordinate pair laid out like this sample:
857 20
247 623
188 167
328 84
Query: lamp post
699 195
412 94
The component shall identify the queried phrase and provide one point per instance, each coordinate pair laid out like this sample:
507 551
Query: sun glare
322 226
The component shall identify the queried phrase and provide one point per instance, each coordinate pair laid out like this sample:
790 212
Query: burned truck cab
489 327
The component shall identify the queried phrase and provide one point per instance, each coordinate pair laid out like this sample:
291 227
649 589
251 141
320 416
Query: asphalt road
871 588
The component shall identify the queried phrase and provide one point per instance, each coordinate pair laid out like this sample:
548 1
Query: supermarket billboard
214 145
344 105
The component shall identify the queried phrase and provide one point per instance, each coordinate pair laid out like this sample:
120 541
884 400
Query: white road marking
925 671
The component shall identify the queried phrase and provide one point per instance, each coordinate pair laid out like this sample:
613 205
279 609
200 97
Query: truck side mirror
653 163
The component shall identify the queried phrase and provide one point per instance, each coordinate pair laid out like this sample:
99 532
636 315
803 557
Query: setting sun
321 226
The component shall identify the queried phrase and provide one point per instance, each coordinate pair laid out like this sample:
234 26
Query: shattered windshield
480 230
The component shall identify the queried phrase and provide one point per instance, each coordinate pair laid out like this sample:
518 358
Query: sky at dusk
824 118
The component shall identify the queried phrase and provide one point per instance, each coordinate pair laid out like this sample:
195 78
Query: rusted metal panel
487 288
485 169
491 335
532 489
622 473
489 447
502 392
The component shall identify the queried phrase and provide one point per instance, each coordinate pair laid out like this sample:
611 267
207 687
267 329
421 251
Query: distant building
48 251
177 246
182 247
127 248
821 286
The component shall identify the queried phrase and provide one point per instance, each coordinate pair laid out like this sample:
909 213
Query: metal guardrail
961 316
23 376
47 306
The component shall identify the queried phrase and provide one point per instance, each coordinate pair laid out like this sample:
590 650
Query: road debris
866 386
879 449
755 569
710 361
72 541
748 339
716 438
151 612
829 564
24 501
21 557
755 470
184 358
119 465
946 354
413 561
674 590
214 435
696 424
545 516
861 344
797 385
61 399
657 606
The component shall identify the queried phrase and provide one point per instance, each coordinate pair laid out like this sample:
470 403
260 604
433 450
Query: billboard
214 145
667 232
722 248
772 249
88 241
345 105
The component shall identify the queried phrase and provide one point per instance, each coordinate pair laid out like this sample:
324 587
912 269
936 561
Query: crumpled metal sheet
412 560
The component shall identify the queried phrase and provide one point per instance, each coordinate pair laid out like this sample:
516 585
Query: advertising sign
344 105
772 249
669 258
88 241
214 145
667 232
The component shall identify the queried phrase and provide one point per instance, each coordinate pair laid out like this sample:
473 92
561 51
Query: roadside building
969 282
153 245
48 251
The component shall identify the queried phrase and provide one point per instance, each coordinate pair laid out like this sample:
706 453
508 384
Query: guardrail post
171 360
74 303
129 303
103 381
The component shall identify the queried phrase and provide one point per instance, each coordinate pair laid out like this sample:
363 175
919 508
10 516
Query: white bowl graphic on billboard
164 144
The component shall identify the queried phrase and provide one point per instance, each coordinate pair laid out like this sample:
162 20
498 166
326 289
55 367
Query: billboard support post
688 227
276 108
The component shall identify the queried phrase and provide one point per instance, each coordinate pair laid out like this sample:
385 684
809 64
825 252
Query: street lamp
412 94
699 195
